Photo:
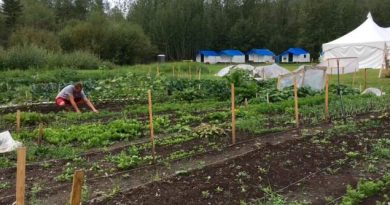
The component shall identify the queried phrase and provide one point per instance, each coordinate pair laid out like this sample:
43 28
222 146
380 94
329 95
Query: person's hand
78 111
96 111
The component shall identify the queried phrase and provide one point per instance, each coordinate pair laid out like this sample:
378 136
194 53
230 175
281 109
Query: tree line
136 30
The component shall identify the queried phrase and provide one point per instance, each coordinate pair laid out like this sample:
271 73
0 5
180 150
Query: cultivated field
343 160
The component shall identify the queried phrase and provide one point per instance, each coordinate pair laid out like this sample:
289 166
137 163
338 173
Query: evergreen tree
11 9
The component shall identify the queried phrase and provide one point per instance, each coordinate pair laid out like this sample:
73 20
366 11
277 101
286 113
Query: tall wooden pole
21 175
296 102
78 180
40 134
327 99
18 121
151 125
365 78
233 99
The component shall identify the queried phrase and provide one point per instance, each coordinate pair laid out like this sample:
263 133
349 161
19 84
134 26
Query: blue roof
295 51
261 52
207 53
231 53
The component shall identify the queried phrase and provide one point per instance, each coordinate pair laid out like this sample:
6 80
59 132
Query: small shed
261 56
232 56
207 56
295 55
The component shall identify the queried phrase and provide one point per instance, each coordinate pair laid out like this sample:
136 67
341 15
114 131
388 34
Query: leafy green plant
209 131
365 189
127 159
66 175
5 185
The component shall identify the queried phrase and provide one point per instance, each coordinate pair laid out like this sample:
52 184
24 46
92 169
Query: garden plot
105 169
339 156
193 136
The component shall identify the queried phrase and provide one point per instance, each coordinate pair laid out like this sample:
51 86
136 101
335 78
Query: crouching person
73 95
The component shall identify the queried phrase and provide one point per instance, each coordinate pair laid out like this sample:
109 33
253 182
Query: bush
31 56
40 38
120 42
81 60
24 57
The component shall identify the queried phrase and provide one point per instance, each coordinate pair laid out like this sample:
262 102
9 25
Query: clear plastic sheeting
225 71
287 80
373 91
7 144
306 76
314 78
345 65
269 72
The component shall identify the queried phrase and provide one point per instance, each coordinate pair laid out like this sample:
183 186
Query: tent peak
369 15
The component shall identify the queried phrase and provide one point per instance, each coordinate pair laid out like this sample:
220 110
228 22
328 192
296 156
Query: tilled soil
243 178
229 175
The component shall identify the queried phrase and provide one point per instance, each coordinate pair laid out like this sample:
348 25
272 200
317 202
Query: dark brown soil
244 177
377 198
274 161
115 106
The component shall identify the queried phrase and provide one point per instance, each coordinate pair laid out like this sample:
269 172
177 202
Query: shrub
30 36
24 57
31 56
81 60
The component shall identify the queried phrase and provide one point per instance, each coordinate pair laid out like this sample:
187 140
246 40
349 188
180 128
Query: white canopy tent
369 43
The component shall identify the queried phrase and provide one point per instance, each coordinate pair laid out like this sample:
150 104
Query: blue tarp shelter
295 55
207 56
261 56
232 56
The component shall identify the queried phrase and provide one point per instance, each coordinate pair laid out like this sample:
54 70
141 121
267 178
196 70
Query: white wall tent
205 56
368 42
295 55
261 56
232 56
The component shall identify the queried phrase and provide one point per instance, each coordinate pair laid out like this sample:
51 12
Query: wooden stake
296 102
78 180
365 79
246 102
40 134
189 72
151 125
327 99
233 98
18 121
268 98
21 175
200 72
